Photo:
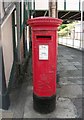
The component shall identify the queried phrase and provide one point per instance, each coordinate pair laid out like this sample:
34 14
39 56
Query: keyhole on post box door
52 69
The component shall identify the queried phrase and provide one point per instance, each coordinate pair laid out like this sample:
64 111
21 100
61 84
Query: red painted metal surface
44 55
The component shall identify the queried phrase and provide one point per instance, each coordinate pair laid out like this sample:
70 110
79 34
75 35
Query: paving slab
71 80
71 91
68 56
78 103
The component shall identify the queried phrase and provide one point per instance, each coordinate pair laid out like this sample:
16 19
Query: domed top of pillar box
44 22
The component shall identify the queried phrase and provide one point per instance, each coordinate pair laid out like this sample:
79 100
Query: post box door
44 64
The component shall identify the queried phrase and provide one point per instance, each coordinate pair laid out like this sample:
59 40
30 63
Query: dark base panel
44 104
5 101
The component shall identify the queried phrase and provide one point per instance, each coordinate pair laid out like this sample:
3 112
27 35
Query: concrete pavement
69 94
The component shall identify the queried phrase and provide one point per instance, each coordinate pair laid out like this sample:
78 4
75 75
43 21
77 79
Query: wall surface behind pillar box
7 45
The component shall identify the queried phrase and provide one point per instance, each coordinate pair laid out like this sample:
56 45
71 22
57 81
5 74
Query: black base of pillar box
44 104
5 101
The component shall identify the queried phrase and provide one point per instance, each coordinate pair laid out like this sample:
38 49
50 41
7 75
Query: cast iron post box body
44 60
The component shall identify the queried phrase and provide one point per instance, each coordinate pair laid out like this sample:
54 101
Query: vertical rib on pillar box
44 59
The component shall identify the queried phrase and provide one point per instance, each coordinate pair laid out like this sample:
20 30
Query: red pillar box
44 59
